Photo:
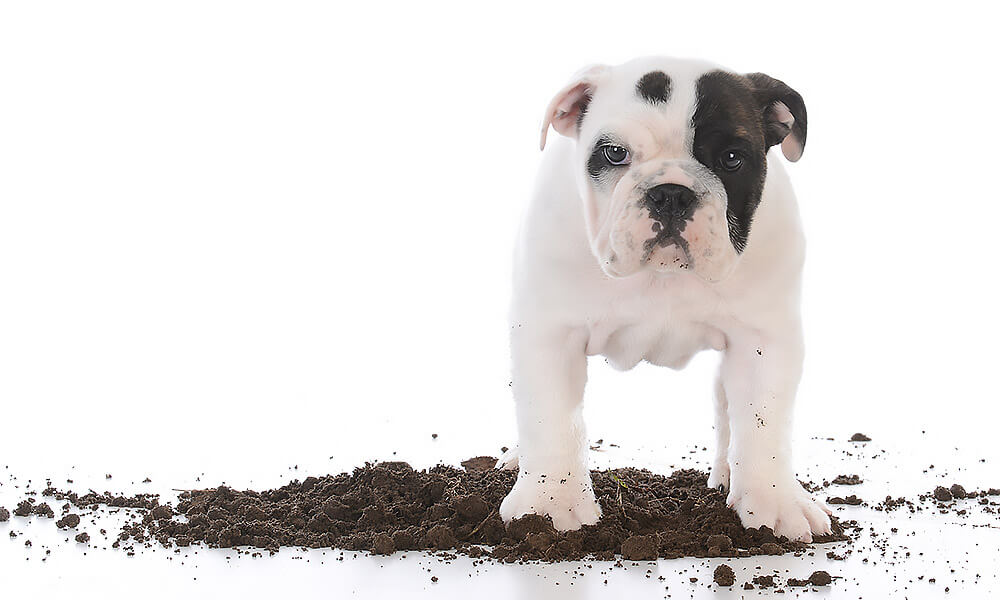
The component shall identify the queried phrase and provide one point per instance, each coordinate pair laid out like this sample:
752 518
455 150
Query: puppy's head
671 160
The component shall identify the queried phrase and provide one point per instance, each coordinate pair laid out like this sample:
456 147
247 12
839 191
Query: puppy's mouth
667 235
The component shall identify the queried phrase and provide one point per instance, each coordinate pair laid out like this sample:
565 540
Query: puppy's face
672 158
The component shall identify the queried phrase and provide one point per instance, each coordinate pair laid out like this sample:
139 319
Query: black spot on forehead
654 87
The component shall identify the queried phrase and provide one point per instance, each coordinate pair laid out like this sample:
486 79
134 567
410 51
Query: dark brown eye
731 160
616 155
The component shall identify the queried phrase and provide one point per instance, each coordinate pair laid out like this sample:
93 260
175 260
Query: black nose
670 200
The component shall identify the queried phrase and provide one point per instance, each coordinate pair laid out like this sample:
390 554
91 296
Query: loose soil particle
83 538
390 507
820 578
860 437
4 514
942 493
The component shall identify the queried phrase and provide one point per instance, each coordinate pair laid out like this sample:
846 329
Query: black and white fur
692 242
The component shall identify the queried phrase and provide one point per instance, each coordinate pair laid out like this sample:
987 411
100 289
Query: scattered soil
390 507
860 437
847 480
4 514
724 575
83 538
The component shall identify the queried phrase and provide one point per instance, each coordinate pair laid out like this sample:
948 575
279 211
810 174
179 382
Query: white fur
566 307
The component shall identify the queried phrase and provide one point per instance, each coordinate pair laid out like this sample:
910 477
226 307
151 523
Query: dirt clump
860 437
847 480
640 547
724 575
24 508
820 578
851 500
479 463
69 521
83 538
4 514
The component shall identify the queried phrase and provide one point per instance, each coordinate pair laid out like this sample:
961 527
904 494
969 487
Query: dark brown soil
942 493
818 578
83 538
847 480
24 508
852 500
4 514
390 507
68 522
724 575
860 437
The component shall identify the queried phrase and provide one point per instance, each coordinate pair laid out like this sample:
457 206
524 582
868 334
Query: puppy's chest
662 329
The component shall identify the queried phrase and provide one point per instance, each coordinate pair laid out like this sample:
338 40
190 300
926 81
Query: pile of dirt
389 507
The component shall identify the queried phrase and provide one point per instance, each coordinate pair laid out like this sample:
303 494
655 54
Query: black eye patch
598 165
727 119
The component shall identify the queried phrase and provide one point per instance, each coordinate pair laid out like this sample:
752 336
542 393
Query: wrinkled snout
670 217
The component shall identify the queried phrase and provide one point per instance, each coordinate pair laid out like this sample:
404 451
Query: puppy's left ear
784 114
566 107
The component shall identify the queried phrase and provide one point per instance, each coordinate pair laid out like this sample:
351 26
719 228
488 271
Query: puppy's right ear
571 102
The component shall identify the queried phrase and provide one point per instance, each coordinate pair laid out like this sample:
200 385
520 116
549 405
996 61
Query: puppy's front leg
719 477
760 374
549 374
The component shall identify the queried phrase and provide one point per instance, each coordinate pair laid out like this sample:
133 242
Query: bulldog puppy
661 226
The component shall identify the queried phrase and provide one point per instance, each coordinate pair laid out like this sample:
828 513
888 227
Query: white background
238 237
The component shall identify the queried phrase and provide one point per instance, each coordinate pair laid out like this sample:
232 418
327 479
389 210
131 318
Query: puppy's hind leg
719 477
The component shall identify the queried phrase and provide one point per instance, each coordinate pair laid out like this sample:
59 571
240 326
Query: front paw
784 506
569 501
718 479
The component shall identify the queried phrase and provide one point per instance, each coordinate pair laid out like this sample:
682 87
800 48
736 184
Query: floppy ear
571 101
784 114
